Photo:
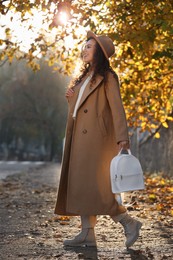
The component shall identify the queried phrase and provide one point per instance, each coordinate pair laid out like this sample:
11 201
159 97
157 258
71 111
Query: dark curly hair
101 67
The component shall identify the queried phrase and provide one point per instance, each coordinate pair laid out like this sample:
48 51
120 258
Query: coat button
84 131
86 110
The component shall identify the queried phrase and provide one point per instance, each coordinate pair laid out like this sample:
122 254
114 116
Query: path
12 167
30 230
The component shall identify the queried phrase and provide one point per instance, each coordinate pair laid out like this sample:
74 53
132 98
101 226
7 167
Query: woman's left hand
123 145
69 93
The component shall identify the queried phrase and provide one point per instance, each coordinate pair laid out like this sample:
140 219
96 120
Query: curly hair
101 67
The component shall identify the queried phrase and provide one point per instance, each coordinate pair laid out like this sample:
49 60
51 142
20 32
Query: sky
24 33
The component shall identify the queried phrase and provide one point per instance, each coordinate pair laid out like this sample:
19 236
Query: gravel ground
30 230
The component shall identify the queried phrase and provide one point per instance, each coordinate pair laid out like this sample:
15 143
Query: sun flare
63 17
24 34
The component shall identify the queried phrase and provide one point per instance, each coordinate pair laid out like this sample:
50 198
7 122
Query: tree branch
3 62
150 136
8 8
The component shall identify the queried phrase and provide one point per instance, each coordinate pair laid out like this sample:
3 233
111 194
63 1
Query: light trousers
90 221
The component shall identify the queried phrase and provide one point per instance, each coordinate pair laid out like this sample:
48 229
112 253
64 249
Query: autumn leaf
157 135
152 197
159 190
165 124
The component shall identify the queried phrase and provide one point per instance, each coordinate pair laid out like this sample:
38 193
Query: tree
33 107
142 32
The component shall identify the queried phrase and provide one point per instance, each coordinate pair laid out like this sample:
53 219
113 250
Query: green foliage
142 32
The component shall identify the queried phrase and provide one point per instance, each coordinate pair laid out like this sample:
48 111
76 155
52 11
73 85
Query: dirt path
30 230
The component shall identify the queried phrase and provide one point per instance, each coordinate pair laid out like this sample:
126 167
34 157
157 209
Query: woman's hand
69 93
123 145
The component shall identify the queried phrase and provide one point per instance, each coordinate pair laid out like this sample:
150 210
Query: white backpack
126 173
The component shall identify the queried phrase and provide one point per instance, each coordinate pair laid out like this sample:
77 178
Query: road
11 167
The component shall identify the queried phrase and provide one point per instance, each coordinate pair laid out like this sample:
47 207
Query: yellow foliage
152 196
157 135
171 189
171 212
159 190
165 124
153 126
141 31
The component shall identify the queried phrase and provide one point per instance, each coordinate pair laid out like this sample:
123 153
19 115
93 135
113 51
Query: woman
96 131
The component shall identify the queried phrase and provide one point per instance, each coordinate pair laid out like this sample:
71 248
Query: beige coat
91 143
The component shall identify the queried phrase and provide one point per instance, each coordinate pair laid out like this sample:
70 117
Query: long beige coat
91 143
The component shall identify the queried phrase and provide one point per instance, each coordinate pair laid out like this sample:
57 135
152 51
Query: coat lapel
73 100
88 90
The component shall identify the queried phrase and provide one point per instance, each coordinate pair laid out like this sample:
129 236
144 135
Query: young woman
96 131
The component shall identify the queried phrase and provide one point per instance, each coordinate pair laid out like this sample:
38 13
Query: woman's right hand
69 93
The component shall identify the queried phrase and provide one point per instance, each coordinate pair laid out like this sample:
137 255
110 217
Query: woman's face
88 51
